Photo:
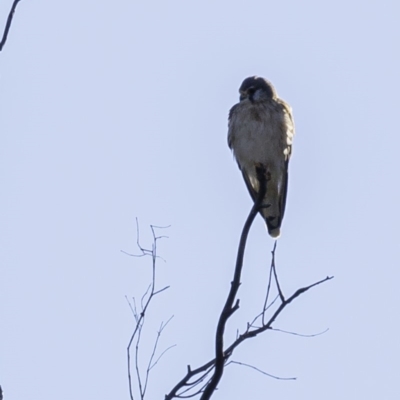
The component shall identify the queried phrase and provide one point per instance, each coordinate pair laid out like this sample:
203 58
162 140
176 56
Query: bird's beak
243 96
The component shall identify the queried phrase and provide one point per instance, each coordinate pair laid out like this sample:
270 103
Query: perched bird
260 134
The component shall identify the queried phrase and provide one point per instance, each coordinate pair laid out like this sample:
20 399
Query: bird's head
256 88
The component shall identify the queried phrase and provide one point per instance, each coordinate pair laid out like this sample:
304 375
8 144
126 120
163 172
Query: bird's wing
230 136
231 139
282 200
250 188
288 128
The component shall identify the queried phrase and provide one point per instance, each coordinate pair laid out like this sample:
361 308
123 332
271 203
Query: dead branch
8 24
187 387
140 316
249 333
229 307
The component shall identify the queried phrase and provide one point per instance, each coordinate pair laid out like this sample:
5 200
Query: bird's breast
256 135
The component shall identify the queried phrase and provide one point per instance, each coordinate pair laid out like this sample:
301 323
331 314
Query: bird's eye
251 90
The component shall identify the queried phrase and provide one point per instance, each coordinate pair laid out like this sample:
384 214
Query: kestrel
260 133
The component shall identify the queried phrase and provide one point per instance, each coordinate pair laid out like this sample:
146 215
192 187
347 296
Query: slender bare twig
147 252
189 375
261 371
252 333
8 24
161 290
282 297
138 376
160 356
130 305
300 334
265 308
150 364
262 314
248 334
139 316
194 384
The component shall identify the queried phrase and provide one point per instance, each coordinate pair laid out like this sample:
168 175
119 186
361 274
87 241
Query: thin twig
268 289
250 334
150 364
8 24
190 374
261 371
161 290
300 334
197 382
130 305
144 296
192 385
137 360
270 305
282 297
160 356
261 314
243 337
145 301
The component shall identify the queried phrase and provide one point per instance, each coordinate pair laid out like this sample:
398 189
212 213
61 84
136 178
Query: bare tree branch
207 367
140 316
8 24
252 333
204 379
229 307
186 387
184 382
146 252
150 364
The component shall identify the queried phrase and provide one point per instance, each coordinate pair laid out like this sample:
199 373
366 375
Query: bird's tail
272 214
274 229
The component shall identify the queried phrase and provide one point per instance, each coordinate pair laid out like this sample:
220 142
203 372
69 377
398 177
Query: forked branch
204 379
140 313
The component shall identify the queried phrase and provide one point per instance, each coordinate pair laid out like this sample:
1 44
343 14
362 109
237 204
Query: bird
260 134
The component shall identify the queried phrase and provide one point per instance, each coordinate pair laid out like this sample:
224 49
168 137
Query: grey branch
140 316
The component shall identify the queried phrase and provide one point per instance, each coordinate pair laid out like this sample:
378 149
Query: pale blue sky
116 110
